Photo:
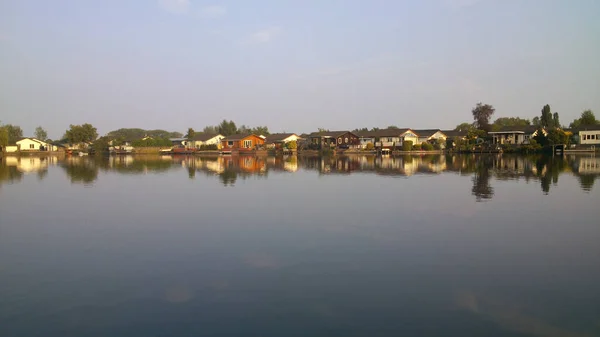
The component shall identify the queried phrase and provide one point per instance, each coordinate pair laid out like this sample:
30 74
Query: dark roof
332 134
523 129
393 132
427 132
239 136
591 127
278 137
454 133
205 136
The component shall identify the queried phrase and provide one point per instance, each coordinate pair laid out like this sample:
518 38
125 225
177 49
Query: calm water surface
353 246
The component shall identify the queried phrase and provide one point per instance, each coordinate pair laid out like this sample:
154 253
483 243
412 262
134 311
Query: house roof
32 139
205 136
454 133
393 132
328 134
427 132
516 129
591 127
239 136
278 137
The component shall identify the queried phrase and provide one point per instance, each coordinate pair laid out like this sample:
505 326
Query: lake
471 245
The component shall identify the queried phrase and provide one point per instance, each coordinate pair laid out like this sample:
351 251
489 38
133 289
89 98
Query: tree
40 133
13 133
393 127
190 136
509 121
227 128
546 120
292 145
3 135
536 121
211 129
260 130
464 127
84 133
555 120
587 118
136 133
482 114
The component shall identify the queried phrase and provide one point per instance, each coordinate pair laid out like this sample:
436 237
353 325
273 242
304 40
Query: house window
340 140
248 143
230 143
31 146
346 140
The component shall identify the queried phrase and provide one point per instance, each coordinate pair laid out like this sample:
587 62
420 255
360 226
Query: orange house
242 142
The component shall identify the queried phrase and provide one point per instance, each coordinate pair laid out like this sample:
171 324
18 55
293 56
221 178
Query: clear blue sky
293 65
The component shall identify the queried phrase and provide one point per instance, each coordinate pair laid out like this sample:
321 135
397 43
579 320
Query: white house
32 144
431 136
515 135
387 138
203 139
589 135
277 139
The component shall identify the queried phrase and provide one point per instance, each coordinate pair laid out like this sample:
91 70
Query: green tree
464 127
136 133
190 136
227 128
547 120
556 120
260 130
292 145
3 135
81 133
482 114
13 133
211 130
393 127
407 145
587 118
536 121
509 121
40 133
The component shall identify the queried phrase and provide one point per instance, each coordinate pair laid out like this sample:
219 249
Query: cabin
589 134
205 139
33 144
242 142
456 134
515 135
334 139
387 138
432 136
278 140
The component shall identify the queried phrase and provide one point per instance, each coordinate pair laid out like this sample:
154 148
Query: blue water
251 246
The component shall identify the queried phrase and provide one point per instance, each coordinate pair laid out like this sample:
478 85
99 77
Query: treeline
228 128
131 134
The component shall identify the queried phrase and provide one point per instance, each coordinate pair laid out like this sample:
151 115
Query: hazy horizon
294 66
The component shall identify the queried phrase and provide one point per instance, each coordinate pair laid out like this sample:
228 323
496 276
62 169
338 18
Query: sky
295 65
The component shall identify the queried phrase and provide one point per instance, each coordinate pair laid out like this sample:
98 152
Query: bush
427 147
292 145
407 145
208 147
369 146
416 147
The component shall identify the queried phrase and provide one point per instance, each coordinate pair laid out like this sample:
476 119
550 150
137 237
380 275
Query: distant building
515 135
338 139
277 140
589 134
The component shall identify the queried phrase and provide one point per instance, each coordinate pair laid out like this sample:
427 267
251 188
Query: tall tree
464 127
546 120
556 120
3 135
587 118
190 136
482 114
536 121
81 133
261 130
510 121
14 133
227 128
40 133
211 129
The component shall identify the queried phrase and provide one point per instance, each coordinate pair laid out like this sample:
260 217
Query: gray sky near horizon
293 65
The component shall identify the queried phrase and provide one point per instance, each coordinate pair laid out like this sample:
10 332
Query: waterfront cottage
589 134
277 140
515 135
431 136
338 139
204 139
387 138
242 142
33 144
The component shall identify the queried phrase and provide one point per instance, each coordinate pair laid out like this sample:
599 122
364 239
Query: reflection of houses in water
31 164
120 161
586 165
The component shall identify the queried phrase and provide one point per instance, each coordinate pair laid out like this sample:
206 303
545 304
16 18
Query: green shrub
369 146
427 147
292 145
407 145
416 147
209 147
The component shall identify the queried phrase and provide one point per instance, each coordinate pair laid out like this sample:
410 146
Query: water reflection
231 169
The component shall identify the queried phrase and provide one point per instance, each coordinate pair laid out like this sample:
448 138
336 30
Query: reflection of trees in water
586 181
9 174
81 170
482 190
228 177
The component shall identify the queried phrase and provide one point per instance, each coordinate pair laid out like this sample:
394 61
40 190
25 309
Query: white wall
594 136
